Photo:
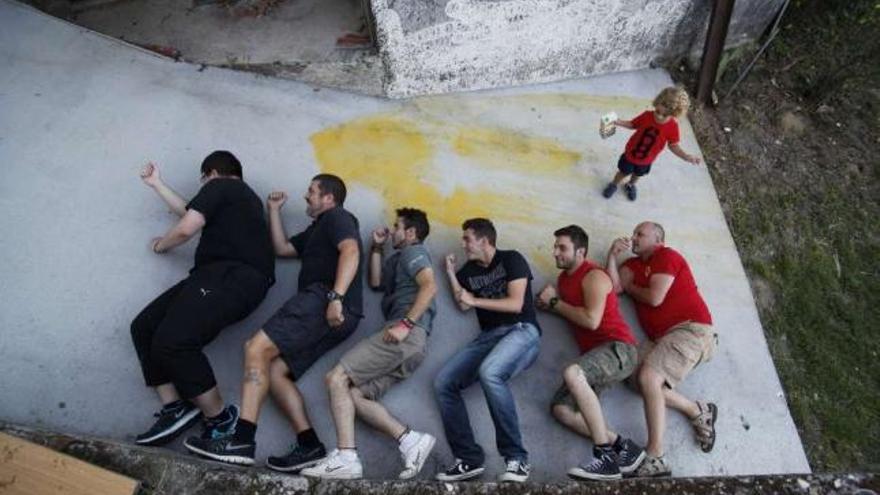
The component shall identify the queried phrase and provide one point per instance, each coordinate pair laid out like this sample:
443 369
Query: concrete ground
81 113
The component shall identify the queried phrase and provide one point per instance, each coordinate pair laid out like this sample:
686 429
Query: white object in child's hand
606 125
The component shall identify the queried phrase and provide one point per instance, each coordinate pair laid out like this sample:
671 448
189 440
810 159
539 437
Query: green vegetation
798 178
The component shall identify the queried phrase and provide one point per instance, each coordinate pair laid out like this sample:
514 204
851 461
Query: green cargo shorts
603 366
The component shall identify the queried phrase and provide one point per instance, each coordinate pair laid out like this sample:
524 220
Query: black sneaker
604 466
629 455
214 429
299 457
609 190
172 421
630 191
516 471
224 449
460 471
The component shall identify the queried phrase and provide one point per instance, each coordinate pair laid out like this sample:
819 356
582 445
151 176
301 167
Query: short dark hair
333 185
417 219
224 162
578 237
482 227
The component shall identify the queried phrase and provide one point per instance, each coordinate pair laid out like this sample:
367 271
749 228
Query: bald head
647 237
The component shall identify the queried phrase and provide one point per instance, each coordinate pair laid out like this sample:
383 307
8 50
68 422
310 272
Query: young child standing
653 131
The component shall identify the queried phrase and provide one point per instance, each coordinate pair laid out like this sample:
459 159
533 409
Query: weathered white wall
447 45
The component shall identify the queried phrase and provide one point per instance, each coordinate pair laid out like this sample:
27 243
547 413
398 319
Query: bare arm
624 123
513 303
280 243
346 269
457 290
655 293
380 235
619 245
595 288
150 176
427 290
677 151
191 223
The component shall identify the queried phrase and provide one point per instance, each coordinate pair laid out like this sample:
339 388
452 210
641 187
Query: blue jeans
493 358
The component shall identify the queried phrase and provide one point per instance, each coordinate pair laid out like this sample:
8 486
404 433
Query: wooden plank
30 469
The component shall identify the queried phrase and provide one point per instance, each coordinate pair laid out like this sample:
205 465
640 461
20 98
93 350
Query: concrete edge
162 471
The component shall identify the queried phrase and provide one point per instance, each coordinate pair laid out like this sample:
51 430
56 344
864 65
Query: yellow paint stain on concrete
389 154
511 150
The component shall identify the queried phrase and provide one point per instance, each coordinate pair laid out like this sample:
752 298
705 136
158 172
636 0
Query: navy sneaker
630 191
173 420
224 449
299 457
629 455
604 466
460 471
609 190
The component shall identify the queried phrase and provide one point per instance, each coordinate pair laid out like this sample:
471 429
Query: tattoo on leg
253 376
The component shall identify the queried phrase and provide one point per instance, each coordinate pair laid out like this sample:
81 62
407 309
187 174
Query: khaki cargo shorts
374 365
603 366
677 353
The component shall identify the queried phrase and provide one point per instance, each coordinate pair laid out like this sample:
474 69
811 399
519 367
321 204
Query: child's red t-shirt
650 138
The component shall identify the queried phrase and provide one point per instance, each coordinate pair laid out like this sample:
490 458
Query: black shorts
300 331
627 167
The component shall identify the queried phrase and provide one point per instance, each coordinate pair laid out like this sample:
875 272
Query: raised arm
615 272
457 289
624 123
151 177
380 236
280 243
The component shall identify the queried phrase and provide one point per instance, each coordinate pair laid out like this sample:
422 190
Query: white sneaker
416 455
516 471
338 465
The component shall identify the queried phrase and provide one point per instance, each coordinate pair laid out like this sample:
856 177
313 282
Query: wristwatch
553 302
332 295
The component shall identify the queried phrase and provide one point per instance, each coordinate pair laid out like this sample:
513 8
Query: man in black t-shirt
234 268
498 284
325 310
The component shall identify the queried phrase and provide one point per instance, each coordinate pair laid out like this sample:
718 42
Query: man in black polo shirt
234 268
325 310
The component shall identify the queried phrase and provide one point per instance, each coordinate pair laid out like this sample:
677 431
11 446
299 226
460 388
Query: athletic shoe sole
240 460
512 478
580 474
295 468
173 431
405 475
629 470
460 477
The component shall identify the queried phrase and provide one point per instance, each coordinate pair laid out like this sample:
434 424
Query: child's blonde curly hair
672 101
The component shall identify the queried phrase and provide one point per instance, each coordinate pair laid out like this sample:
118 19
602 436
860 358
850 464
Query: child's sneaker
630 191
339 465
609 190
460 471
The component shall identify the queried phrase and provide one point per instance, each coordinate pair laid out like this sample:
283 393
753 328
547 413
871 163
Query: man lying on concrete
609 355
370 368
677 321
325 310
234 268
498 284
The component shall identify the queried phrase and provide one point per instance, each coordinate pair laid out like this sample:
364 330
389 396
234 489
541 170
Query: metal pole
719 21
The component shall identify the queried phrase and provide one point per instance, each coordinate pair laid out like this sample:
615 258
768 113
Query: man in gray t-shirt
367 370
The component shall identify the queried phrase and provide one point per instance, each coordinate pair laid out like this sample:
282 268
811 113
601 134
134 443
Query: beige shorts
374 365
678 352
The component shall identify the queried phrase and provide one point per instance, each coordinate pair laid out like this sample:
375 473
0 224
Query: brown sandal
704 425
